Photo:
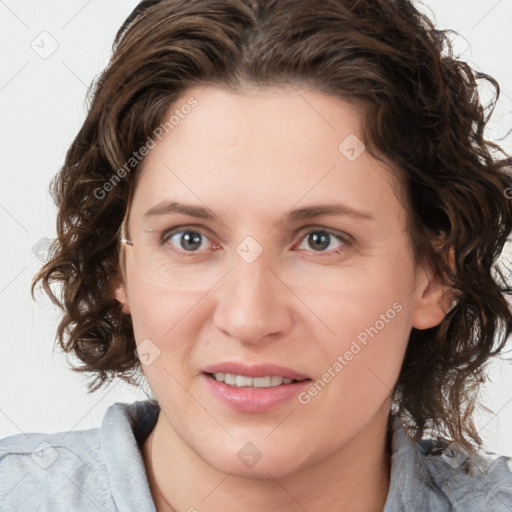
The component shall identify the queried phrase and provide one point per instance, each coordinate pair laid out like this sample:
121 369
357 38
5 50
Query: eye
187 240
192 241
320 239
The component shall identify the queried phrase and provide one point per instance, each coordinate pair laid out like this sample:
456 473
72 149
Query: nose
253 303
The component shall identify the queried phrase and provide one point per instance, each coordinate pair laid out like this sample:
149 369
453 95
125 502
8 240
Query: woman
286 215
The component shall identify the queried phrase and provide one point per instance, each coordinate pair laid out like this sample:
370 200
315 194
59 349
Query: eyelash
345 239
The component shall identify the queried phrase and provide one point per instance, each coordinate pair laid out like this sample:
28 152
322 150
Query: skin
251 157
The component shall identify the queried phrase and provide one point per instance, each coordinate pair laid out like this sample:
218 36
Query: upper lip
258 370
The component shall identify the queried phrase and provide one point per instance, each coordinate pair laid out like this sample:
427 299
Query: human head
421 113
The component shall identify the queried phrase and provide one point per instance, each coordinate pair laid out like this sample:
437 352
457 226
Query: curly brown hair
421 111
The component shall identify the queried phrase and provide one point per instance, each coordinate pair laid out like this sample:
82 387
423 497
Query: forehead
256 120
266 149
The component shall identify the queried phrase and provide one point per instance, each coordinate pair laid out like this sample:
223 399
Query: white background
42 106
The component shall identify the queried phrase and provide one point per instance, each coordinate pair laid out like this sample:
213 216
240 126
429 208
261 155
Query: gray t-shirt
101 469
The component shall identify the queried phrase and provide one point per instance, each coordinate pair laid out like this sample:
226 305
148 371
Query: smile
255 382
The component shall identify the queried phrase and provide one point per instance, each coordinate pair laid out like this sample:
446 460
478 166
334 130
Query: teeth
264 382
230 379
240 381
243 381
277 380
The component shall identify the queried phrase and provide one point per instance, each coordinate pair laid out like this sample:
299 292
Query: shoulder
470 481
436 475
84 470
52 470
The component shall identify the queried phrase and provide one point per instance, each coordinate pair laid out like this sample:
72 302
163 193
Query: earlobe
119 292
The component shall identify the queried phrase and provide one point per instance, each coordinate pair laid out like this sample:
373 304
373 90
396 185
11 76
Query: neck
355 477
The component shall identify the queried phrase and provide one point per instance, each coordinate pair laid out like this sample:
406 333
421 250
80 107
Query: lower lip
246 399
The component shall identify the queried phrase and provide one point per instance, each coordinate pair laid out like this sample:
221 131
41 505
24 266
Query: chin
249 462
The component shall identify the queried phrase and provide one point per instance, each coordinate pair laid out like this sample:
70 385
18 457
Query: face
328 296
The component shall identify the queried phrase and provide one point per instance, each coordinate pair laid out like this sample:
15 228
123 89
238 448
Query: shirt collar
123 430
409 479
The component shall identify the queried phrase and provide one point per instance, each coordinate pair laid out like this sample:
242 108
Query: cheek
369 321
163 327
369 335
155 312
373 301
168 318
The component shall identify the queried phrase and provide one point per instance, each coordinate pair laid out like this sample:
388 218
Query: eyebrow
299 214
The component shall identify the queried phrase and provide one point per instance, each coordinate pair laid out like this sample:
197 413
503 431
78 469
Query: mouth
253 389
244 381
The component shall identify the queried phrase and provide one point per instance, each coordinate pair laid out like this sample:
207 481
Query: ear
433 300
118 290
